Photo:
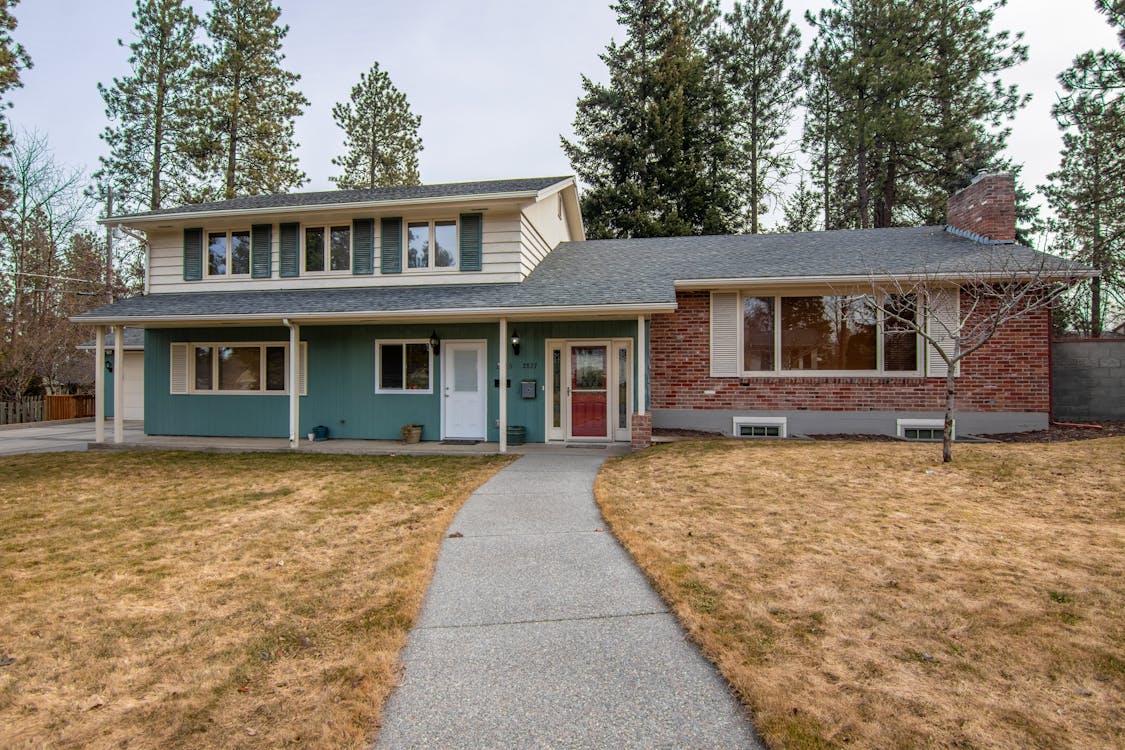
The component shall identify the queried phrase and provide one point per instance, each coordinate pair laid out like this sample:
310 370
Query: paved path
49 438
539 631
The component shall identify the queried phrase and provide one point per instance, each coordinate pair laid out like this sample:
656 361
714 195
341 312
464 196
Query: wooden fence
24 410
46 408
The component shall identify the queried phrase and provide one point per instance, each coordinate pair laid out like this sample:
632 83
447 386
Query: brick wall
987 207
1010 374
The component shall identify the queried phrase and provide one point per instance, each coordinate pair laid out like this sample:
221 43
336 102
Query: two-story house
472 307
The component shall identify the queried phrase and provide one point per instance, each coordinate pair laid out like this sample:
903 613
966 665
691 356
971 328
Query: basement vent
759 427
922 429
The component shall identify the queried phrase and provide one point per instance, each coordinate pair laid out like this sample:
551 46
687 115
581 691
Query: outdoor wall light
109 361
435 343
515 342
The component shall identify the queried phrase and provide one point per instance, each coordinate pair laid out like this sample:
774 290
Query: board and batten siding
502 260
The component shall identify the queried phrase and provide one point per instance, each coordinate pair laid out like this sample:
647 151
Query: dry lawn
864 595
176 600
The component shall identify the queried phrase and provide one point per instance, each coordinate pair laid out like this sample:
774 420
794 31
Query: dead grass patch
865 595
175 600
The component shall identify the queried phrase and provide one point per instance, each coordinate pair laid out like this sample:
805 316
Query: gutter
366 316
729 283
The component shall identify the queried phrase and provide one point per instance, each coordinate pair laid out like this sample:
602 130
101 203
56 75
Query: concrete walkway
539 631
47 437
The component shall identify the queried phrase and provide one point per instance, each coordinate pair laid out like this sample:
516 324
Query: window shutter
289 250
178 378
471 241
724 335
363 246
193 254
943 308
390 245
261 251
303 368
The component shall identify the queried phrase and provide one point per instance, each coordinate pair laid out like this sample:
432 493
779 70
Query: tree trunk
947 430
886 204
863 197
232 147
157 143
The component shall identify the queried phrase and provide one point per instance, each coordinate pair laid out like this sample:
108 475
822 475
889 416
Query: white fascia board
135 221
550 190
476 314
736 283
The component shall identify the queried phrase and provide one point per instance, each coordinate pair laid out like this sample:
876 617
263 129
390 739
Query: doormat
460 442
588 447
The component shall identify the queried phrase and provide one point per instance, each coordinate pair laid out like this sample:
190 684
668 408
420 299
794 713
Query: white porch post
294 383
503 389
119 384
641 359
99 386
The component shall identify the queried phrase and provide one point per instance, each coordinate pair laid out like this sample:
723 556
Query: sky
495 81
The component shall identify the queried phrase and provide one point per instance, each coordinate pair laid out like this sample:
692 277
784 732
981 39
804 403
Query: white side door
464 391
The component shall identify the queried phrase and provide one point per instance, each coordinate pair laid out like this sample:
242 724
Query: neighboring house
472 307
133 377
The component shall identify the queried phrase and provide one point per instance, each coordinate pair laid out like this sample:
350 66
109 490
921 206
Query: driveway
52 438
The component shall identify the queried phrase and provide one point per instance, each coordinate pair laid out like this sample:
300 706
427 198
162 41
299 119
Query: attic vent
928 430
760 427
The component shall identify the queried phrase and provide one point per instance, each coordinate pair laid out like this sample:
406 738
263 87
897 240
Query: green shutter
261 251
363 246
472 230
289 250
193 254
390 246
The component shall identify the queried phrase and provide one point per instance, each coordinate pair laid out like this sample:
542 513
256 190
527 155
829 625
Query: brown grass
183 600
864 595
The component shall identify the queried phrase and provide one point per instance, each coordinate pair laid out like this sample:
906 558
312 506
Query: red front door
589 396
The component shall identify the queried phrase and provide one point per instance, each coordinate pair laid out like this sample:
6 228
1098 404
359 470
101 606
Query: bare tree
958 312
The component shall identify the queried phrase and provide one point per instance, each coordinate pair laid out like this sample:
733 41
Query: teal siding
341 382
108 387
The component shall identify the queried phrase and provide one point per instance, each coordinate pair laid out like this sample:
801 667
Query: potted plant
411 433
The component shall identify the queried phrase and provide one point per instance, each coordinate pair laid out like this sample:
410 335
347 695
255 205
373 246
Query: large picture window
240 368
228 253
431 244
403 367
836 333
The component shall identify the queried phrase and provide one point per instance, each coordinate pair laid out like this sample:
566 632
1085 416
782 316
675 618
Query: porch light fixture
435 343
109 361
515 342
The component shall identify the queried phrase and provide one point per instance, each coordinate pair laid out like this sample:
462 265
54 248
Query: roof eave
852 279
136 220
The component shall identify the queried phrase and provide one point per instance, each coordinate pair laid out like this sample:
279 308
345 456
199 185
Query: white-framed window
828 334
404 366
760 427
228 252
238 367
431 244
929 430
326 247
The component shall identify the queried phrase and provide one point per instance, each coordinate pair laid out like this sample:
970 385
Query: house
133 375
470 308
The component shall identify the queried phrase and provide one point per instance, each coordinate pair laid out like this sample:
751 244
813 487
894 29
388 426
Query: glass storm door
589 394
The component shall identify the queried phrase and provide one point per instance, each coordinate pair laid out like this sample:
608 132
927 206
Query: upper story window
228 253
327 248
431 244
839 333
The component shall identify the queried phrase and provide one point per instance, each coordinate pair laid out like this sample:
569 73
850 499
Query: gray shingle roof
378 195
628 272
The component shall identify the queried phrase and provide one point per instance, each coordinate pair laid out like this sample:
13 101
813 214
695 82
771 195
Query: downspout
294 382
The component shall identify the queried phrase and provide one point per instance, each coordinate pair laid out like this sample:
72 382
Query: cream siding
544 224
502 257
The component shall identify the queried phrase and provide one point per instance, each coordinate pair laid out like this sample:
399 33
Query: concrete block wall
1088 379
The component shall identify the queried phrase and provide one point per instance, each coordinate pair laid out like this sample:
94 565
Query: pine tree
381 135
652 144
921 105
761 66
1087 193
802 210
13 59
151 111
244 143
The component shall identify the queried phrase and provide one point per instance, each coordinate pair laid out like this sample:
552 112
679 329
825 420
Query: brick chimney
986 209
